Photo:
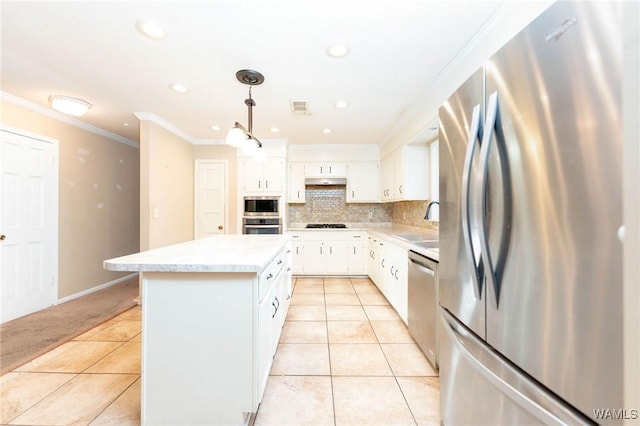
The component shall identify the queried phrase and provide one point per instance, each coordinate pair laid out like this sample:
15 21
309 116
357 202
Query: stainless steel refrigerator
530 324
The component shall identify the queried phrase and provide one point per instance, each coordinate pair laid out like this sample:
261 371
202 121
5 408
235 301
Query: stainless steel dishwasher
423 304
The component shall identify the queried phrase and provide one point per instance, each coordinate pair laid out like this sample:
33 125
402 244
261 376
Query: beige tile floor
344 358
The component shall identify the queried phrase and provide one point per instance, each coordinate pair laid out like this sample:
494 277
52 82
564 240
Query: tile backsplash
327 204
412 213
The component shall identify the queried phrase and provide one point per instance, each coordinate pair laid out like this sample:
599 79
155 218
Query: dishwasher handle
422 267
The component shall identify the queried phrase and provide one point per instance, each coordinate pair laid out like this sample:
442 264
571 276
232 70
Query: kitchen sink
411 237
431 244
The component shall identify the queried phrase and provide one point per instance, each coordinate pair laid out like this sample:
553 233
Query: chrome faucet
429 206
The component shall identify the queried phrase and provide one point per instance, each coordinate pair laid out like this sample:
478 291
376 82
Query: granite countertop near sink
387 231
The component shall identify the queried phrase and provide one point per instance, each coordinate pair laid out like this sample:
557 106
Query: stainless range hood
326 181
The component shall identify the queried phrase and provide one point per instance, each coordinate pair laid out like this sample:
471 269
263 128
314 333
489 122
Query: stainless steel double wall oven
262 215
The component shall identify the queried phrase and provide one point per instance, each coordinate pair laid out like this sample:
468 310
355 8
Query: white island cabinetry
212 313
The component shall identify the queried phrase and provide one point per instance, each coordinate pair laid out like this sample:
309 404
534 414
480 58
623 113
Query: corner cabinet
405 174
262 177
363 182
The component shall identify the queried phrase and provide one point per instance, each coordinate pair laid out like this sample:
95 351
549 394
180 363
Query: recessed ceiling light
150 29
176 87
215 128
125 124
337 51
341 104
326 130
274 130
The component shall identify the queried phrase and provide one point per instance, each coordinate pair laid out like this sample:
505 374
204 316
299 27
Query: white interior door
210 199
28 224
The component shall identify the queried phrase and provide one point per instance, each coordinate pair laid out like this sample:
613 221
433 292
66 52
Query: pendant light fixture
238 136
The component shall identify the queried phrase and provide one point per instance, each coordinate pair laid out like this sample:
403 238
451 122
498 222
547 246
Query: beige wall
98 198
224 152
166 187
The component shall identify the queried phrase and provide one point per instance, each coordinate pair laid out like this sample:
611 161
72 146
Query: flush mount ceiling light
238 136
68 105
215 128
337 51
326 131
341 104
150 29
274 130
177 87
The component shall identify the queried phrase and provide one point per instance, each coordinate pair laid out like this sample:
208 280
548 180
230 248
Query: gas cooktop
325 225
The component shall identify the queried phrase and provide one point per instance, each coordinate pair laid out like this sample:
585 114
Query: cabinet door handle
297 250
354 250
329 169
353 194
396 275
266 184
279 262
269 276
382 263
320 169
259 185
391 270
298 194
274 310
320 249
278 304
400 189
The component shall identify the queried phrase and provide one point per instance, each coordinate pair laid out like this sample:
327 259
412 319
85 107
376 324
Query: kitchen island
212 313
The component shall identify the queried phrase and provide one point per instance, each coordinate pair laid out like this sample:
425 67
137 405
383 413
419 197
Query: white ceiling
92 50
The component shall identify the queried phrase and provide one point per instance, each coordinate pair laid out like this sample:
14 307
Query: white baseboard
96 288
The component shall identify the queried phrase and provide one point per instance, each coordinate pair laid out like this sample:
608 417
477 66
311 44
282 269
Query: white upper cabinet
363 182
405 174
296 183
325 169
266 176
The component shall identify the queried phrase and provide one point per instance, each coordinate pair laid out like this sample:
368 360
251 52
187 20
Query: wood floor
344 358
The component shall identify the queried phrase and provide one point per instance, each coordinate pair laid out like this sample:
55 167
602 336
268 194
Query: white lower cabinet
329 252
397 282
388 268
272 310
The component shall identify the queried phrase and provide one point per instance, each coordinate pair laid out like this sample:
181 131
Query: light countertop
386 231
221 253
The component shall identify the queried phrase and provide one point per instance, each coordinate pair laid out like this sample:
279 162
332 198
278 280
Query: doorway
211 187
28 223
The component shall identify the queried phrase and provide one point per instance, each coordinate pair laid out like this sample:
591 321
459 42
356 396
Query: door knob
3 237
220 227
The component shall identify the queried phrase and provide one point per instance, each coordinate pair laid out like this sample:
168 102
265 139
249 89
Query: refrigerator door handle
490 124
495 265
505 378
472 144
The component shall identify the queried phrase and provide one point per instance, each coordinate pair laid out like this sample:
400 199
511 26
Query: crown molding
16 100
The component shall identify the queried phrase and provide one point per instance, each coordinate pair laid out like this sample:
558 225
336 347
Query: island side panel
198 359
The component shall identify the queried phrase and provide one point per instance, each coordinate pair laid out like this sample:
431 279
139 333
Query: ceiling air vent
300 107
